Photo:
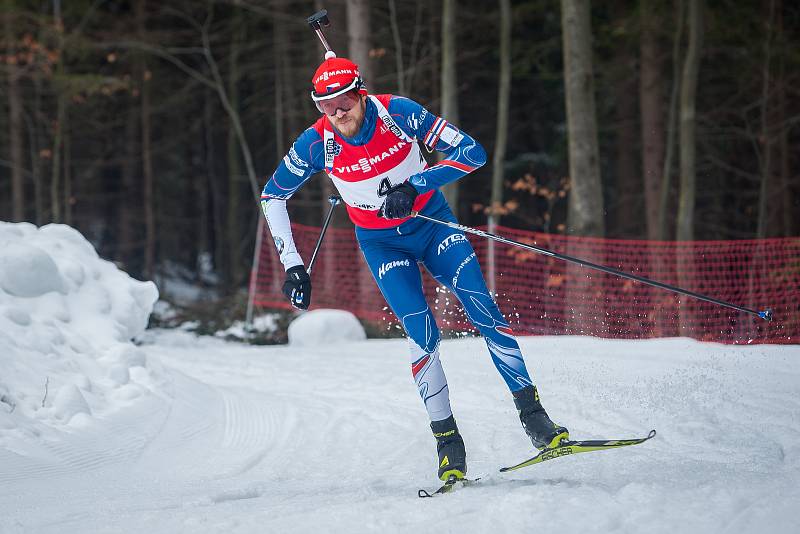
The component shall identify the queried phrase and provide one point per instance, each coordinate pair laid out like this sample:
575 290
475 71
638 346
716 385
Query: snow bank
67 318
320 327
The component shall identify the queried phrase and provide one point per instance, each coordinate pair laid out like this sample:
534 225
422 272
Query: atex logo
388 266
449 241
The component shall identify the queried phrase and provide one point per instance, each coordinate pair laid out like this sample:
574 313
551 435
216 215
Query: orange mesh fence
544 295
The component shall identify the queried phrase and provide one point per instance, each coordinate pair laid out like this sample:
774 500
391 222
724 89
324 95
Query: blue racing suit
384 153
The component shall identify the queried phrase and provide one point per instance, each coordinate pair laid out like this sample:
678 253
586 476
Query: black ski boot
543 432
450 446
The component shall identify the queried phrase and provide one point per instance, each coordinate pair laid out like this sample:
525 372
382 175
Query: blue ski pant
393 256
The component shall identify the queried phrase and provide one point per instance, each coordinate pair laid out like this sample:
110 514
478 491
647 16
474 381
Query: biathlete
369 147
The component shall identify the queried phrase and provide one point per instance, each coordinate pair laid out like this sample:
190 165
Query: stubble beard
352 126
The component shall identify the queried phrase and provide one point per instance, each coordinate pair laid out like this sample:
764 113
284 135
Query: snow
240 330
66 321
195 434
320 327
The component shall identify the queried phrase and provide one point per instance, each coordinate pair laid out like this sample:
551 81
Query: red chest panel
357 171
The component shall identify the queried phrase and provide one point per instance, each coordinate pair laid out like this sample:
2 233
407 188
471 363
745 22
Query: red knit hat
335 76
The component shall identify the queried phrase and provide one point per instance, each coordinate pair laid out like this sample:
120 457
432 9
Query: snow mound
320 327
67 318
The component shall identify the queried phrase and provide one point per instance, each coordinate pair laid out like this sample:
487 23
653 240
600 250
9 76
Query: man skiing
369 147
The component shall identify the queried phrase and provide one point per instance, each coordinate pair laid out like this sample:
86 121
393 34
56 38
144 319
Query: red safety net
542 295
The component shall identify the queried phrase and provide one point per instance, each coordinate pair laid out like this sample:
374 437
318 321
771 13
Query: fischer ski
567 448
449 485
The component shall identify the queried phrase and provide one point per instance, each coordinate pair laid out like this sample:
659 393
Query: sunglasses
345 102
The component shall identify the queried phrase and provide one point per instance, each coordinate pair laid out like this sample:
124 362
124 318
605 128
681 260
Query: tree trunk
691 67
766 138
586 197
503 99
666 181
585 209
131 170
215 200
61 104
16 130
434 41
651 102
450 85
67 150
688 121
35 144
147 157
234 210
398 48
627 211
359 35
149 183
789 216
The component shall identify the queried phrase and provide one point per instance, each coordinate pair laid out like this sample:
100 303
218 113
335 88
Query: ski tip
651 434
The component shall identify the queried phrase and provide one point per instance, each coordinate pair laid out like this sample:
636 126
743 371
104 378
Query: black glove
297 287
399 201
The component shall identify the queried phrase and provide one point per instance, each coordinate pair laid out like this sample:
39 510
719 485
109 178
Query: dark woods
152 125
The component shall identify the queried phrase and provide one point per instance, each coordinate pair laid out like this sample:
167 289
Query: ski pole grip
319 20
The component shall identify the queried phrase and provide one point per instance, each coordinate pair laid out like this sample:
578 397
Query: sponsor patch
332 147
463 264
297 160
451 136
291 167
330 74
419 180
450 241
388 266
279 245
393 127
365 164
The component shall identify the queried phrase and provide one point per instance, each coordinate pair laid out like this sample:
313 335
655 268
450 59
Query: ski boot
450 447
543 432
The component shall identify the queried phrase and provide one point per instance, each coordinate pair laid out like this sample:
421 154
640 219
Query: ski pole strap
334 200
765 314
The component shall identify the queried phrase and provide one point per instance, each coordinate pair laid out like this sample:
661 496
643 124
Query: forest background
151 126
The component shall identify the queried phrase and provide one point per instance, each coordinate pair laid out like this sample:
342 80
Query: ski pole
334 200
765 314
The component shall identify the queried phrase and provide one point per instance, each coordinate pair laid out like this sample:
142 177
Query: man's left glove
297 287
399 201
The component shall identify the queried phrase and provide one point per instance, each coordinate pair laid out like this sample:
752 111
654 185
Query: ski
567 448
451 484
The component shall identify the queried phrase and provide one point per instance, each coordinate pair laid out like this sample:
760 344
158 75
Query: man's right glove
297 287
399 201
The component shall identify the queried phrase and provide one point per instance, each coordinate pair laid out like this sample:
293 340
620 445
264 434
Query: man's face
349 122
